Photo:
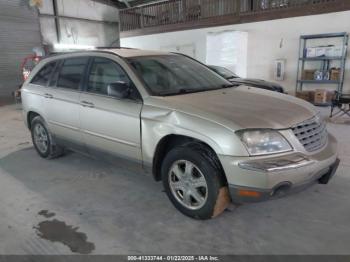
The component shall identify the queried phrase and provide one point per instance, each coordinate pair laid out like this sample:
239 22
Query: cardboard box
329 51
306 95
320 51
337 51
323 97
335 74
308 74
333 51
310 52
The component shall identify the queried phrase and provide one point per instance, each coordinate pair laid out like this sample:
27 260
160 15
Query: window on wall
43 76
104 72
228 49
72 72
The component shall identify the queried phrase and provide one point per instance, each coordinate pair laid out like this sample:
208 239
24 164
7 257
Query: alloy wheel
41 138
188 184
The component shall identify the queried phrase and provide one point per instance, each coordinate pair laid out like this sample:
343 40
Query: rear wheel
42 140
192 181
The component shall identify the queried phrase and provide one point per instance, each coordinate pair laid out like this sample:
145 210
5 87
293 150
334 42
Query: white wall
228 49
267 41
77 31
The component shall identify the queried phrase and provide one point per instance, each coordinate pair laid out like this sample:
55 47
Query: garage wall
103 31
19 34
267 41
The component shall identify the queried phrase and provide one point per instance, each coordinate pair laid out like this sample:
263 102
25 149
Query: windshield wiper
230 85
194 90
180 91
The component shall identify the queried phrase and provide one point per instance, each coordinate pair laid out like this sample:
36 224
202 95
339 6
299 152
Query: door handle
87 104
48 96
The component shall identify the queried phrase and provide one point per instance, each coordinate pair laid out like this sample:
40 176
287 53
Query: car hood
241 107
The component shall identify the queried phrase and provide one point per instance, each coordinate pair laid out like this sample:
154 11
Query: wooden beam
78 18
306 10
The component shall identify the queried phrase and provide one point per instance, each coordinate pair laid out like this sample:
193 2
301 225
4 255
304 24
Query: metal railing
174 12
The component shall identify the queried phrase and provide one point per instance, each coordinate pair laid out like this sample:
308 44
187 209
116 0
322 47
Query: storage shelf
319 81
322 58
307 37
325 62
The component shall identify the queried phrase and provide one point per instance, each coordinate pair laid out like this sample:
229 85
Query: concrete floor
122 211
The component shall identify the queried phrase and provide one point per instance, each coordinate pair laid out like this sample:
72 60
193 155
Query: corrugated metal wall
19 33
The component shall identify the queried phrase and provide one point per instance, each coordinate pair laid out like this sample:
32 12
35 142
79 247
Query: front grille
312 134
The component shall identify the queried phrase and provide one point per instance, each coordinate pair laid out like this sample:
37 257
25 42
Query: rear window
71 72
43 76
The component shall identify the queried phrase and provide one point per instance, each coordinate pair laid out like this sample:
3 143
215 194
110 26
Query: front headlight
263 142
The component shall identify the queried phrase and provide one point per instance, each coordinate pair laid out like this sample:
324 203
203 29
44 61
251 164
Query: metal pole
57 20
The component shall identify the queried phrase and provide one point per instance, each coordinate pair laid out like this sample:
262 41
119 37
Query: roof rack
69 51
113 47
72 51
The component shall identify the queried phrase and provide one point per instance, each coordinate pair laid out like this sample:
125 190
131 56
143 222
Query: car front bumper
253 179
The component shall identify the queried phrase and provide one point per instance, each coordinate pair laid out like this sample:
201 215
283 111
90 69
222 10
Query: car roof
122 52
129 52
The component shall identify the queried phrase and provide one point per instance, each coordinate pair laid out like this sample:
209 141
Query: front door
109 124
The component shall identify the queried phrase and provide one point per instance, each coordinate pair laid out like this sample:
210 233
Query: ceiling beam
126 3
121 4
78 19
114 3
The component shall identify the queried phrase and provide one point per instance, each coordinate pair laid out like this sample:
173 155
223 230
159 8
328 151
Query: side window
43 76
104 72
71 72
54 75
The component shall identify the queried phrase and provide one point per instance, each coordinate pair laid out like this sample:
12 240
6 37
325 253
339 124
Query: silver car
207 140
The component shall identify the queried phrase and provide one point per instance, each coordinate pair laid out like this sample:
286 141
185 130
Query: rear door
109 124
62 101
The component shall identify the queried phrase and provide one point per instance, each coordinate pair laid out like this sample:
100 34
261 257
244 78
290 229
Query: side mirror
119 90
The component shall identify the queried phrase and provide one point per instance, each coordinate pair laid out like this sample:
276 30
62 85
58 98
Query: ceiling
127 3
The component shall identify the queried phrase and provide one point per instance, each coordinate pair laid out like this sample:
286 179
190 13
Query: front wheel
192 181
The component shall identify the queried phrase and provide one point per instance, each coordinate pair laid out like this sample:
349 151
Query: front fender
157 123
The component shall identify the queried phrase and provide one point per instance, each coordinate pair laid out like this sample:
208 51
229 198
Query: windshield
176 74
224 72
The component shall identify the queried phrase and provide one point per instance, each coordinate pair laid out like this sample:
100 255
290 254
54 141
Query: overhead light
73 47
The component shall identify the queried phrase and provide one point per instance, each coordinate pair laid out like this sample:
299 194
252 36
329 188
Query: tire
43 142
203 166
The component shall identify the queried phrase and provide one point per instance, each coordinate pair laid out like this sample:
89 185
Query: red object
28 65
